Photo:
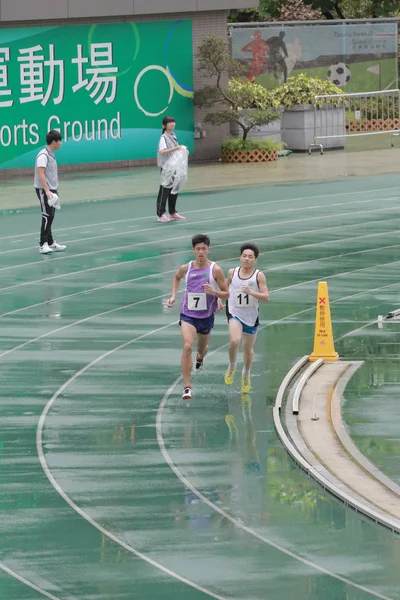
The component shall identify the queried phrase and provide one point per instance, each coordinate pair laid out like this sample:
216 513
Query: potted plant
253 97
251 150
302 117
245 104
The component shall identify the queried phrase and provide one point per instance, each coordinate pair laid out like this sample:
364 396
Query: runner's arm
263 294
180 274
219 277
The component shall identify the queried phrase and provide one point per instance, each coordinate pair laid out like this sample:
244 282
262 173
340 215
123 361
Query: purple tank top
195 302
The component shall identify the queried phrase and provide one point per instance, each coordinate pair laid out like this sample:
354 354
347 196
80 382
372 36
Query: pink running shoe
177 217
163 219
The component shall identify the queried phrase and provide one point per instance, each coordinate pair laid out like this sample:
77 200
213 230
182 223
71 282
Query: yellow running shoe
230 376
231 423
246 384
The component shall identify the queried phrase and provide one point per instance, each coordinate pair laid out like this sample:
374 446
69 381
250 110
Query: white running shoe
57 247
187 393
45 249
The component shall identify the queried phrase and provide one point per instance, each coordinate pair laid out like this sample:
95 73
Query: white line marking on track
98 315
239 524
227 515
225 207
159 242
213 220
111 285
75 507
38 589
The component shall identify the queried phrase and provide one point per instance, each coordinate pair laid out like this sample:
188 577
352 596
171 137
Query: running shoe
187 393
177 217
58 247
230 376
45 249
199 362
246 384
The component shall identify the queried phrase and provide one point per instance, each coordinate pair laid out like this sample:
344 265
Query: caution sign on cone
323 340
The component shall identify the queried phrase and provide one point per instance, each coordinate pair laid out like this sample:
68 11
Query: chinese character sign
356 57
105 87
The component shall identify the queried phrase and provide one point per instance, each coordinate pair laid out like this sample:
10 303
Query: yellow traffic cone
324 346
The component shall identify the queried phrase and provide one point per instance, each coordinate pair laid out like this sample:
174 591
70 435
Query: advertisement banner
357 58
105 87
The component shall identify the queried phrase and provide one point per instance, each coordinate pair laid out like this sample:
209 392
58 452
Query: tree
231 101
297 10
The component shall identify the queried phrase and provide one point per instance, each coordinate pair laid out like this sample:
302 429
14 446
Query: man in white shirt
46 186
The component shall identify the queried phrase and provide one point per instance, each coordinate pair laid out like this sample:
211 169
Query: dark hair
53 136
249 246
200 238
167 120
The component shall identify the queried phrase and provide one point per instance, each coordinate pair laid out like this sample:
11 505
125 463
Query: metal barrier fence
340 116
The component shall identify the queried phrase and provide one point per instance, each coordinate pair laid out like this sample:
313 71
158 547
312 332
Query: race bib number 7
243 300
197 301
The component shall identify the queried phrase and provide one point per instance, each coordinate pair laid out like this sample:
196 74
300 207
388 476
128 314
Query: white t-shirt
162 144
46 159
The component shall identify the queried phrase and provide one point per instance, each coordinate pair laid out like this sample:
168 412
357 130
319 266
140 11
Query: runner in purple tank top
199 303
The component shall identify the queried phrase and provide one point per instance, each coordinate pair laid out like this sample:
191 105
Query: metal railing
340 116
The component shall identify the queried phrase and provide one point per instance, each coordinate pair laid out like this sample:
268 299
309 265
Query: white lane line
159 297
225 207
239 524
75 507
38 589
85 320
116 284
228 217
169 240
64 495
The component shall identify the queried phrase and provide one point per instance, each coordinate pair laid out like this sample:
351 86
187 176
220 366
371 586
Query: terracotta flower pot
255 156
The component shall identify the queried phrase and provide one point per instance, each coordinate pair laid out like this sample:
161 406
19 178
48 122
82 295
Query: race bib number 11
243 300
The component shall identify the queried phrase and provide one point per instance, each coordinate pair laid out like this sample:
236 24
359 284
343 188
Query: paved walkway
378 159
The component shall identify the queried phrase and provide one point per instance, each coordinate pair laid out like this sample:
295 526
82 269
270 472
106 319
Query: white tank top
240 305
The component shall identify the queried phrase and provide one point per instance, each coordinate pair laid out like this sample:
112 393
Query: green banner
105 87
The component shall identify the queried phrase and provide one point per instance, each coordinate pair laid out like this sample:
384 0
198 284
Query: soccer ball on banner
339 74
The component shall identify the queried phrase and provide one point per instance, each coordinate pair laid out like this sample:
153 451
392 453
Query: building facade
207 17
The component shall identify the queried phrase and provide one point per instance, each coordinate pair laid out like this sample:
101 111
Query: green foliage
215 58
249 145
246 94
330 9
361 9
375 108
267 9
302 90
236 98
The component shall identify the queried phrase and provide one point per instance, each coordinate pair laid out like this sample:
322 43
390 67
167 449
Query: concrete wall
26 10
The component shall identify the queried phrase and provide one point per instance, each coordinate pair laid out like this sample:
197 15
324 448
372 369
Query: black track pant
47 217
165 195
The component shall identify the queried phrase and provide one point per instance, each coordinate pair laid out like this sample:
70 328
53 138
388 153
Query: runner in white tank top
247 288
242 306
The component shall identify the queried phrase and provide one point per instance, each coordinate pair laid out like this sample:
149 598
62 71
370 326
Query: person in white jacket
167 145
